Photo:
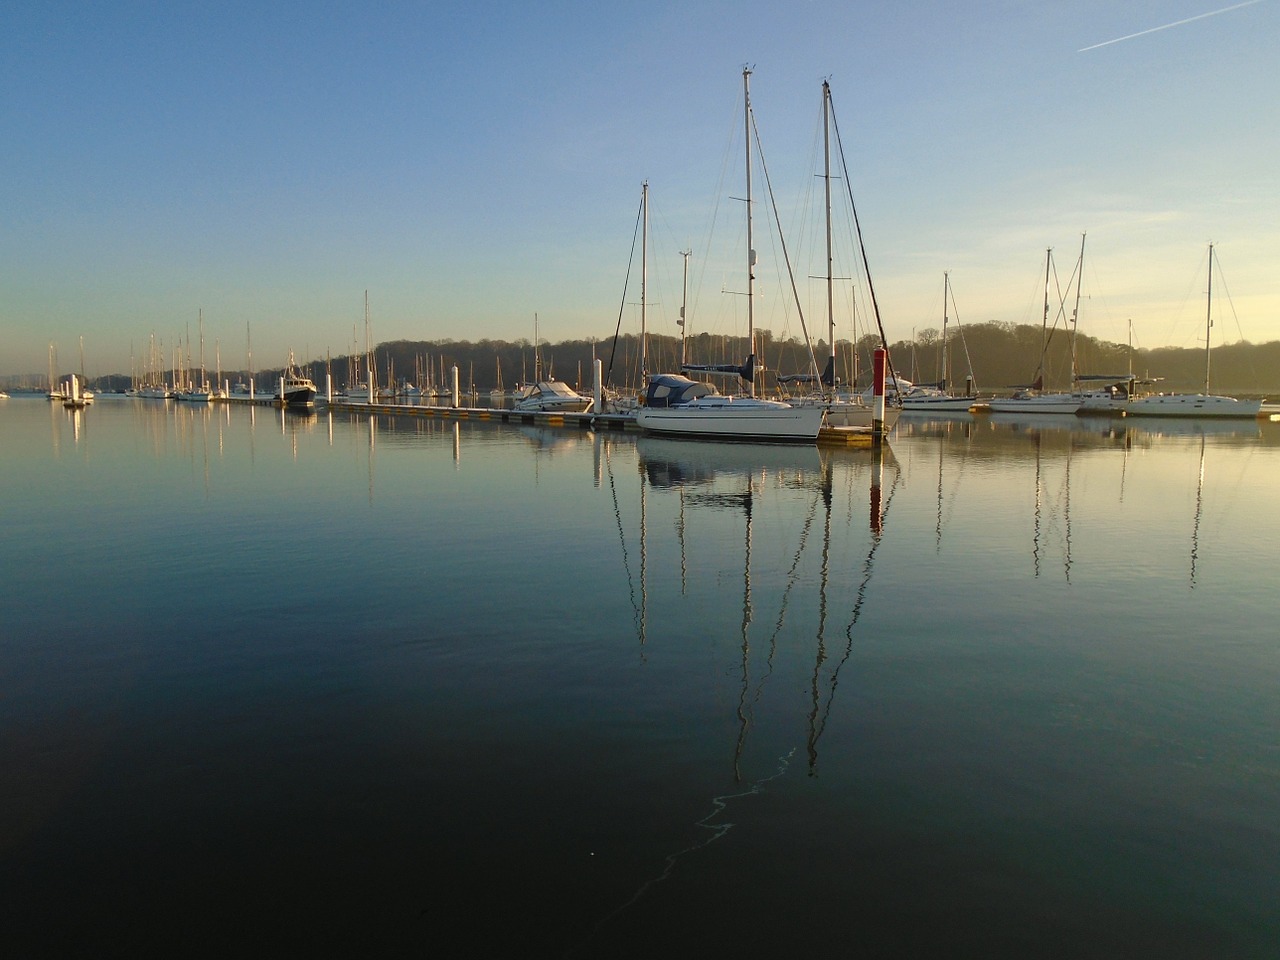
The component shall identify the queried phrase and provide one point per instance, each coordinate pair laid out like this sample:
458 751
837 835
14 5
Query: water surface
375 685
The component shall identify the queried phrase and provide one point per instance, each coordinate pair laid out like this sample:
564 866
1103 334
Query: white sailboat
843 409
358 390
675 405
55 391
938 399
1195 404
1032 400
202 392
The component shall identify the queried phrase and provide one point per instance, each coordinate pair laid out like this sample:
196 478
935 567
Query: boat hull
858 415
1066 405
760 421
927 405
300 397
553 406
1192 405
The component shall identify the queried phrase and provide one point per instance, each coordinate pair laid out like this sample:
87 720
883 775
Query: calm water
273 682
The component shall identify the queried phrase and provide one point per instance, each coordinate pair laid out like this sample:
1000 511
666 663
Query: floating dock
827 436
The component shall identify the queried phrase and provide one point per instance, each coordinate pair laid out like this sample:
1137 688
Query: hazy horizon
470 167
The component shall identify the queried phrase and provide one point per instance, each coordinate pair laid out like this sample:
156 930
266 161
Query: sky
472 165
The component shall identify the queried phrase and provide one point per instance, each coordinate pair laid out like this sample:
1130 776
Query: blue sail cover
673 390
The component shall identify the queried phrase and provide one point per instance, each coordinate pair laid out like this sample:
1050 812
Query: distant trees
1001 356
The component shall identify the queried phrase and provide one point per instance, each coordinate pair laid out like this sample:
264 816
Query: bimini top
673 390
555 388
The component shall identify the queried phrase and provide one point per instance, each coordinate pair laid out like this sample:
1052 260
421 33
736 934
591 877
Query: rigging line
622 539
820 657
782 242
623 305
868 568
786 597
1226 292
963 342
857 223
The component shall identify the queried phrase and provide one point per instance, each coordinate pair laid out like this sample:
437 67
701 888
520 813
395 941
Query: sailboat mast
200 321
644 279
751 252
1208 322
945 375
369 372
826 166
1044 323
1075 312
684 300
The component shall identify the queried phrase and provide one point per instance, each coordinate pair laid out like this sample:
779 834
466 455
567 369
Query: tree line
998 357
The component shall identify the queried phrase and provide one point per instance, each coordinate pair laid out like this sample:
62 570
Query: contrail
1176 23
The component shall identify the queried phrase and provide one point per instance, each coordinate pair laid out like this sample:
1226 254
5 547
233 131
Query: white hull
1066 404
941 404
848 413
726 418
1192 405
554 406
552 396
858 415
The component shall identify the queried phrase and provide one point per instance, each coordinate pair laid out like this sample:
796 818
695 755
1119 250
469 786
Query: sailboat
842 409
937 399
86 395
1032 400
497 393
675 405
357 389
1196 404
55 391
154 386
201 393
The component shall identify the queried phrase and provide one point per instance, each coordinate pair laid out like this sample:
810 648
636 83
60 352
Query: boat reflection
742 481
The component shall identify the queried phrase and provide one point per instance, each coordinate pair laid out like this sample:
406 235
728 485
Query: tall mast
203 379
644 279
1075 313
751 252
537 352
1208 321
945 375
1044 323
826 166
684 300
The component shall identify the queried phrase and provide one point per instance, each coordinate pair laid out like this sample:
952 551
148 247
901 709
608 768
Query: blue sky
472 164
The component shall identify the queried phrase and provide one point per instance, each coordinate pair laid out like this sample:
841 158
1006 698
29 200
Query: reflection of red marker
877 475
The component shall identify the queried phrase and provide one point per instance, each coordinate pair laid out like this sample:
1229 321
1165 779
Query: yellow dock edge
846 436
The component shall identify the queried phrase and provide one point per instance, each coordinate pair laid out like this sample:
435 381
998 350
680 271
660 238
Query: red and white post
879 362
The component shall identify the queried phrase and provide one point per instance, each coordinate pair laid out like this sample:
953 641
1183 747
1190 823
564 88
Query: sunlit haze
470 165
